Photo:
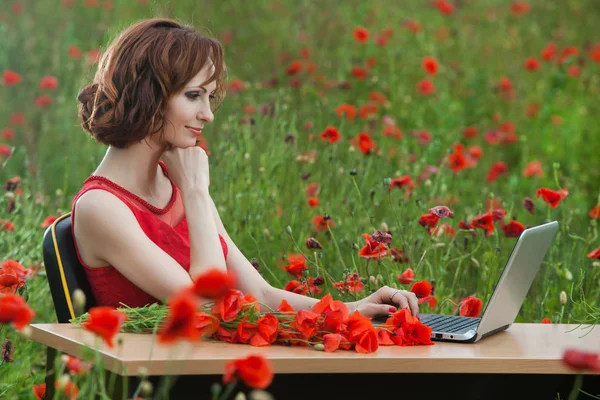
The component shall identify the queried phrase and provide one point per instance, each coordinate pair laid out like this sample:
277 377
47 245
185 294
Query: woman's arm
205 246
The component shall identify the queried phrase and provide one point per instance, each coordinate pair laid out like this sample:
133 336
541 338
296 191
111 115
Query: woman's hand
379 303
188 167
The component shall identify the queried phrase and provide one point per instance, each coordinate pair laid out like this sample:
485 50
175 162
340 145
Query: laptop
508 296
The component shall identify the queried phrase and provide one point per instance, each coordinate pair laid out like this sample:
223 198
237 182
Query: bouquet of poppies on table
235 317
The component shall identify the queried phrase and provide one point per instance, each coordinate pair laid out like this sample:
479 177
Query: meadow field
341 119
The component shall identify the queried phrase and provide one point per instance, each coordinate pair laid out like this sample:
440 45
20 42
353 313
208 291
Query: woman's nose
207 115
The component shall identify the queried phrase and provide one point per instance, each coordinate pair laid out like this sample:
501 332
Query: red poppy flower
595 212
430 65
444 7
214 283
39 391
513 229
297 265
12 78
426 87
546 321
407 276
581 360
485 222
361 35
346 109
352 283
48 82
294 68
229 306
441 212
552 197
48 221
105 322
421 288
331 134
312 189
594 254
403 181
331 341
14 310
373 249
322 224
428 220
306 322
255 371
532 64
298 287
470 307
267 329
533 168
496 170
206 324
284 306
8 134
335 312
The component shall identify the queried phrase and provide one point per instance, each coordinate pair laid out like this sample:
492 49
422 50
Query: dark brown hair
140 70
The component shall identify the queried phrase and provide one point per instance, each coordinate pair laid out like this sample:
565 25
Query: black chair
63 269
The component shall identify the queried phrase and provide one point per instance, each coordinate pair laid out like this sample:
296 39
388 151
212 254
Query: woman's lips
196 132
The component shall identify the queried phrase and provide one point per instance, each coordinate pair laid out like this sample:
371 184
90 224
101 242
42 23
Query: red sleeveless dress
166 227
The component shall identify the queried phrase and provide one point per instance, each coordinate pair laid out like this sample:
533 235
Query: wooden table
522 349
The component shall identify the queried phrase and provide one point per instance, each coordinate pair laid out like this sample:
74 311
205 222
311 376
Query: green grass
253 169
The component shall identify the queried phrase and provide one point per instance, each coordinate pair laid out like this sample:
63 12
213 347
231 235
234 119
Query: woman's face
189 110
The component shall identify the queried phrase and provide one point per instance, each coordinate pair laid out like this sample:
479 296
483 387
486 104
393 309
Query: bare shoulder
97 206
103 220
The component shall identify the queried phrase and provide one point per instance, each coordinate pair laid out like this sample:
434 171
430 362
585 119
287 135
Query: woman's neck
135 167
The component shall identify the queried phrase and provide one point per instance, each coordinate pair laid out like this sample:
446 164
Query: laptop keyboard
449 323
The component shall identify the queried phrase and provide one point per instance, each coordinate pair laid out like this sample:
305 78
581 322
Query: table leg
51 354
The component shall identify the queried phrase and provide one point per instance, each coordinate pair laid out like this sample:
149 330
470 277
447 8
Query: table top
522 348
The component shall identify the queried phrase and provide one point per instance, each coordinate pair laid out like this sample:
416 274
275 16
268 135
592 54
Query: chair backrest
63 269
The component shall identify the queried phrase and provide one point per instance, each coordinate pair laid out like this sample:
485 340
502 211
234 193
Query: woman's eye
212 97
193 96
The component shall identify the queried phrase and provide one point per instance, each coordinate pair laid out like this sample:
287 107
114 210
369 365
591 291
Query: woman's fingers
412 301
401 298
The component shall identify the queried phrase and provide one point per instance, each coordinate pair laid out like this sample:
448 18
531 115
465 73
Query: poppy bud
79 299
372 280
319 347
290 139
288 229
7 351
563 297
353 172
568 275
62 381
146 388
318 281
381 237
26 332
384 227
258 394
312 243
255 264
240 396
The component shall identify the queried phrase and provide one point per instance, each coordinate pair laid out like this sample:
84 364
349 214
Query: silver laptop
509 294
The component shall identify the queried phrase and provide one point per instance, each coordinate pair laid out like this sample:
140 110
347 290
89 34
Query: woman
144 223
